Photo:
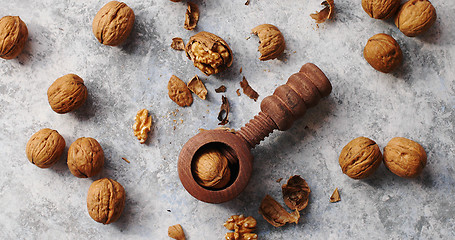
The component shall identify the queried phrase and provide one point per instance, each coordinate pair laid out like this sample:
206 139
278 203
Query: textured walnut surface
405 157
67 93
142 125
105 200
85 157
45 147
383 53
360 158
381 9
415 17
13 35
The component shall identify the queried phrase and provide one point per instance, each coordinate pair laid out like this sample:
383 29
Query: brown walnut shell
105 200
360 158
67 93
271 40
113 23
45 148
296 193
13 35
383 53
381 9
210 53
275 214
415 17
179 92
85 157
404 157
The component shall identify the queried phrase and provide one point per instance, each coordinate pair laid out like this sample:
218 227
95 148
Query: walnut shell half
383 53
381 9
113 23
271 40
105 200
210 53
45 148
360 158
85 157
275 214
404 157
415 17
67 93
13 35
296 193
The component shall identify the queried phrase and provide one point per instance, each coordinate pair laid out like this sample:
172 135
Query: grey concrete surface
417 101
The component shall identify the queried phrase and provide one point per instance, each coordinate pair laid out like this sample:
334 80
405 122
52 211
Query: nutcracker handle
288 103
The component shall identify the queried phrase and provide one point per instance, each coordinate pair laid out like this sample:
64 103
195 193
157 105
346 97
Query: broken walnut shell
335 196
179 92
198 87
113 23
142 125
45 148
271 40
415 17
211 169
326 13
248 90
360 158
296 193
223 115
178 44
381 9
275 214
67 93
105 200
383 53
176 232
13 35
210 53
85 157
191 16
404 157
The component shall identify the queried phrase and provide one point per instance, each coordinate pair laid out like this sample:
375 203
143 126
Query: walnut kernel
45 148
67 93
415 17
142 125
404 157
381 9
85 157
13 35
210 169
360 158
271 40
383 53
243 228
105 200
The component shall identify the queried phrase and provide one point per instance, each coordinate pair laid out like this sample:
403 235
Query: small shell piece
176 232
198 87
85 157
271 40
360 158
142 125
13 35
105 200
405 157
296 193
275 214
45 148
179 92
415 17
113 23
248 90
335 196
178 44
381 9
326 13
383 53
67 93
191 16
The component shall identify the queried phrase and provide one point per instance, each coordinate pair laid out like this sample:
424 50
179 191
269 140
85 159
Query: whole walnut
381 9
13 35
360 158
210 53
113 23
105 200
45 148
383 53
85 157
210 169
271 40
67 93
404 157
415 17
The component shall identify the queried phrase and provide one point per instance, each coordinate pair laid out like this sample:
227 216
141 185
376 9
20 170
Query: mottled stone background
417 101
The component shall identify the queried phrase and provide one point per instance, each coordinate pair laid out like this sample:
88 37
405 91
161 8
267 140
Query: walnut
45 148
179 92
296 193
326 13
209 53
383 53
404 157
381 9
176 232
360 158
275 214
105 200
415 17
271 40
13 35
142 125
113 23
191 16
242 227
197 86
85 157
67 93
210 169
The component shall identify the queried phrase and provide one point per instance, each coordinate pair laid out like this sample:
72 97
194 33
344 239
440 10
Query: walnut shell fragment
198 87
67 94
142 125
178 44
275 214
360 158
271 40
222 88
105 200
335 196
13 35
45 148
210 169
326 13
404 157
113 23
210 53
224 110
176 232
243 228
85 157
247 90
415 17
296 193
191 16
179 92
